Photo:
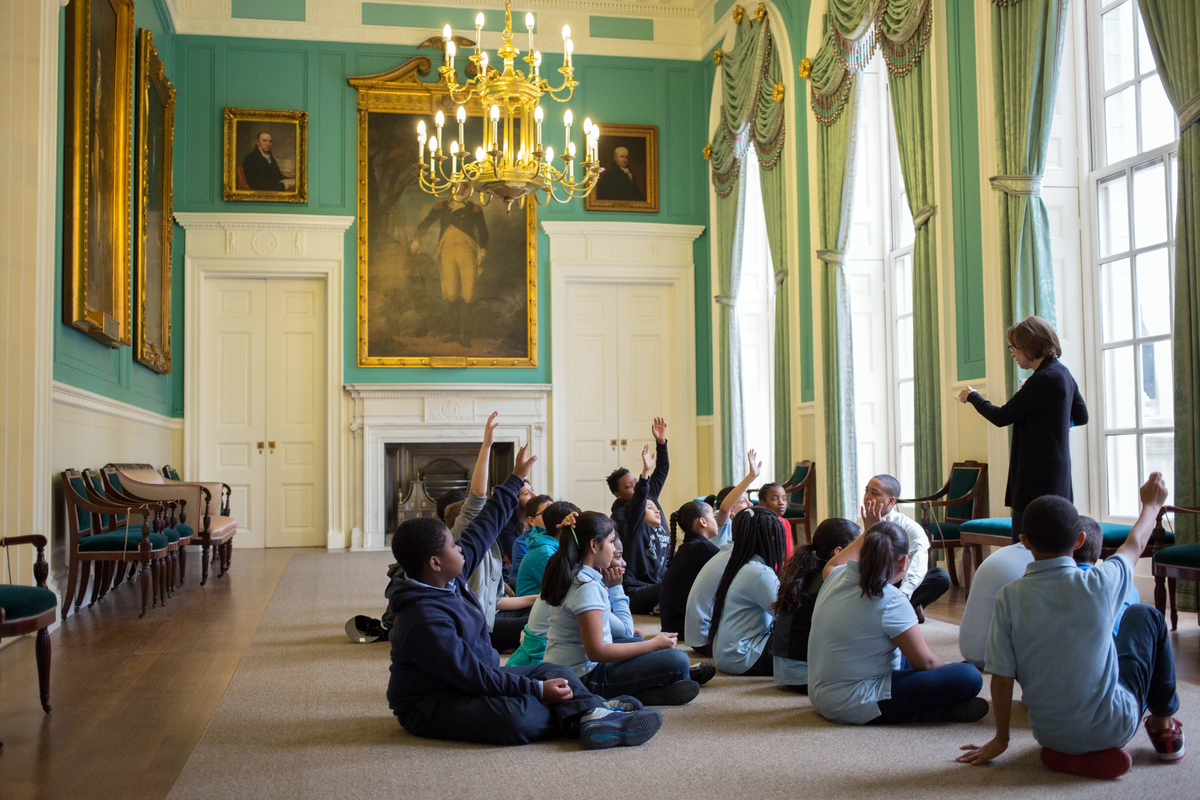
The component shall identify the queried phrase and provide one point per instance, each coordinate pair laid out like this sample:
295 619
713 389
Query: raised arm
477 491
662 463
480 534
731 500
1022 404
1153 494
635 512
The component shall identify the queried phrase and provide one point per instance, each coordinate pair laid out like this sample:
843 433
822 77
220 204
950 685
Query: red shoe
1107 764
1168 742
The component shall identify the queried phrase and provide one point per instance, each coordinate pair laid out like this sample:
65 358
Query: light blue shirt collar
1051 565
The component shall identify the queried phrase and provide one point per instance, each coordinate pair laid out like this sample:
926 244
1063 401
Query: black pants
1018 522
461 717
643 600
922 693
765 664
1145 665
936 584
506 630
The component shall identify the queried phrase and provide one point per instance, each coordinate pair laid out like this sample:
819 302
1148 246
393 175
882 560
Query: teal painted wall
313 76
79 360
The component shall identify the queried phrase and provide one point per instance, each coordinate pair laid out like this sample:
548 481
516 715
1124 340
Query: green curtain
904 29
1027 42
835 103
1173 28
751 112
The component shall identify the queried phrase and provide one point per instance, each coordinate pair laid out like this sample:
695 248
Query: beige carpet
306 717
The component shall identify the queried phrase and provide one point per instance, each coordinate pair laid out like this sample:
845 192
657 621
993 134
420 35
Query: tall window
900 260
756 325
1134 179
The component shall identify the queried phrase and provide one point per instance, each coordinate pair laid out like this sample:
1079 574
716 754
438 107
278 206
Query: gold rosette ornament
738 14
707 151
779 93
805 68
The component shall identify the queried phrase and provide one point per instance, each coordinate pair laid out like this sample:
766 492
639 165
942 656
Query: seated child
742 618
581 636
920 584
542 541
514 529
799 583
1086 690
1088 554
772 497
700 526
533 526
648 544
446 682
621 481
862 625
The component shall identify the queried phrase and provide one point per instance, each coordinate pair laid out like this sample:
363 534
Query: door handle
271 446
623 443
260 446
613 444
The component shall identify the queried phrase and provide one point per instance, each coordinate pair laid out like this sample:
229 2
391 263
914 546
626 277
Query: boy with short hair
622 483
644 532
1052 630
446 679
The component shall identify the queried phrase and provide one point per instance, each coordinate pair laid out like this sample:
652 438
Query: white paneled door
618 371
263 417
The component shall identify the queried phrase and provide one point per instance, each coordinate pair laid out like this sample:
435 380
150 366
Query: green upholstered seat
962 481
944 531
186 532
1115 534
1180 555
25 601
118 541
171 534
991 526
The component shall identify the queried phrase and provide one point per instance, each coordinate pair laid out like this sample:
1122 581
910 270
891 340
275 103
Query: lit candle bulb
478 31
495 123
595 142
587 127
439 121
450 51
447 33
462 120
479 154
571 153
537 63
453 157
570 48
432 147
566 32
529 27
537 117
421 141
567 117
483 64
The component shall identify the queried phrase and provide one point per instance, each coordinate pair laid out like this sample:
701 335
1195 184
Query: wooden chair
1115 535
91 544
25 609
967 490
801 483
214 531
1172 563
108 491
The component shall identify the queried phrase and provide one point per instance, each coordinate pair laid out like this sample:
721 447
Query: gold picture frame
634 188
98 121
250 171
408 311
155 226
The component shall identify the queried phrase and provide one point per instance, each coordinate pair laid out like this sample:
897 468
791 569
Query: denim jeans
660 668
1144 662
914 693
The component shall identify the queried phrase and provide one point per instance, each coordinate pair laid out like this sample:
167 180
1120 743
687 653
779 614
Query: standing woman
1042 413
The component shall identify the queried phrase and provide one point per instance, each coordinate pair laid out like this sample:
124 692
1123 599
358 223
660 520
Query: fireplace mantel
421 412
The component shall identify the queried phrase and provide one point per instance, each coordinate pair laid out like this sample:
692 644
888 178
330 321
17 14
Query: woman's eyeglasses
1011 349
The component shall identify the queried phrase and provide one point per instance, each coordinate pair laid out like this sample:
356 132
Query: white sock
598 713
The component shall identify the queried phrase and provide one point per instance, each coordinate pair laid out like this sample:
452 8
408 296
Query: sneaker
1168 742
364 630
703 673
676 694
1106 764
603 728
625 703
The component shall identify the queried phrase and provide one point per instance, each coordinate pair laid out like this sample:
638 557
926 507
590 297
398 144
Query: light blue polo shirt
724 534
564 641
851 652
1134 596
617 618
746 619
700 598
1052 631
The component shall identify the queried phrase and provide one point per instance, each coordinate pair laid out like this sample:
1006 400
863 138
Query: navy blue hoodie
440 640
647 549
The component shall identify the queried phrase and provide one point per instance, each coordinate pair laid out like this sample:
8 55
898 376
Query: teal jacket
542 545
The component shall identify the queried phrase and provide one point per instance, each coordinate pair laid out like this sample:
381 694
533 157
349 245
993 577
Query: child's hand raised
523 465
755 464
659 429
568 521
871 513
648 458
665 641
556 690
489 429
1154 490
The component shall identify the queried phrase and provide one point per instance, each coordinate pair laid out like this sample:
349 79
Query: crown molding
290 222
74 397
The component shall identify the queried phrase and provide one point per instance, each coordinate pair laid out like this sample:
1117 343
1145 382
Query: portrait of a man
462 245
629 156
266 155
261 168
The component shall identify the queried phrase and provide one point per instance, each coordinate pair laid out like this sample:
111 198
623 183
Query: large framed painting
442 282
629 156
266 155
98 125
155 144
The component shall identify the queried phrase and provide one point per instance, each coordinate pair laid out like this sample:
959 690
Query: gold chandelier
505 164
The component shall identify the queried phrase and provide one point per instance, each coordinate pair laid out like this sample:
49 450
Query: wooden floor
132 697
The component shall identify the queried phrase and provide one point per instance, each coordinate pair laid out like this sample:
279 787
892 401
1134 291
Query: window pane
907 474
1173 194
1116 312
1114 215
903 283
1158 455
1158 116
1145 54
1119 408
1150 205
906 234
1154 293
1122 475
904 348
1120 118
907 414
1116 35
1157 390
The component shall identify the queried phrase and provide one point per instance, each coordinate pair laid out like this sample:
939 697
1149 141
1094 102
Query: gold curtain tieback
922 217
724 300
835 257
1190 114
1018 185
780 275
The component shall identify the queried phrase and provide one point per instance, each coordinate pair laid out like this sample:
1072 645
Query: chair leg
43 667
225 548
950 566
106 577
120 573
204 562
97 579
146 579
1174 611
182 564
72 577
1160 594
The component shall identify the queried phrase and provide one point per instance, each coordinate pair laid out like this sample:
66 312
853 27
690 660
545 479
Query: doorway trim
267 246
626 253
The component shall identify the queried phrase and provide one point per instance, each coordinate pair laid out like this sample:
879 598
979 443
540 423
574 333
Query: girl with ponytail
867 659
533 637
742 618
580 634
699 526
799 583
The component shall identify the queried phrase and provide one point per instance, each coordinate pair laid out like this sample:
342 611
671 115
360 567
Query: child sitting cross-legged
446 681
581 635
699 527
1052 629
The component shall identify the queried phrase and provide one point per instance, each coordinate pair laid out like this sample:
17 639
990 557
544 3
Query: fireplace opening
418 473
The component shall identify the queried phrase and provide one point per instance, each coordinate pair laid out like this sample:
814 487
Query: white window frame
898 206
